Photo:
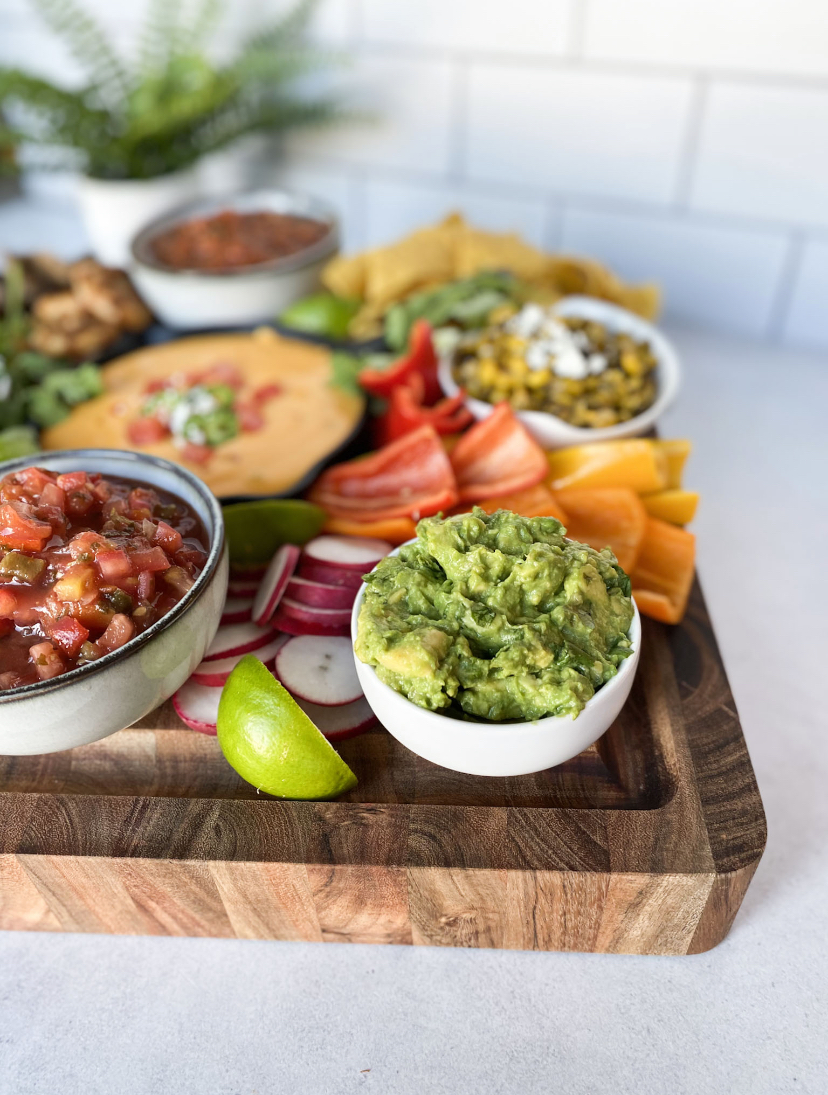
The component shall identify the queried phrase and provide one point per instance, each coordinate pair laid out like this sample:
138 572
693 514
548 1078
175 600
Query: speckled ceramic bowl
98 699
496 748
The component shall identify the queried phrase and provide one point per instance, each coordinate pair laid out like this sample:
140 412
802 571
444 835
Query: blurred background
679 141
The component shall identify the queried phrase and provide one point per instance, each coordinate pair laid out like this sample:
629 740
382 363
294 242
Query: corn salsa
86 564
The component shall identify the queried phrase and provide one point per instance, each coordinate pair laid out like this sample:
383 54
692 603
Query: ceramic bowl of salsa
233 261
113 574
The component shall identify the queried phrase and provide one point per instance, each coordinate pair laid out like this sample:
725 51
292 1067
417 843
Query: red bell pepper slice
407 412
420 358
497 456
411 477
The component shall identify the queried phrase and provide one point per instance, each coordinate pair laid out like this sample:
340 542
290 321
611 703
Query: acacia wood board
643 844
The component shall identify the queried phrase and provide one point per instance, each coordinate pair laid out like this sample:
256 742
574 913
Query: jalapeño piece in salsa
86 563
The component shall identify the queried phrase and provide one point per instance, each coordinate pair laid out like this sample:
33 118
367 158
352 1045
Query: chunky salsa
86 563
230 239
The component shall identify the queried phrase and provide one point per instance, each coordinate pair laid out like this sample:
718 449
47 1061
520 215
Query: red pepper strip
497 456
407 412
411 477
420 358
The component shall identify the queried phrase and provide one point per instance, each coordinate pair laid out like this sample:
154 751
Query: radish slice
242 588
320 594
216 672
237 639
330 617
328 575
337 723
292 626
237 610
197 705
351 552
319 669
274 583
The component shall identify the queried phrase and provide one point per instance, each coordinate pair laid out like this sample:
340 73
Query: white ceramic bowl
554 433
198 299
492 748
97 699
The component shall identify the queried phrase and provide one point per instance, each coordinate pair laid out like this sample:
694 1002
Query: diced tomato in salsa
86 563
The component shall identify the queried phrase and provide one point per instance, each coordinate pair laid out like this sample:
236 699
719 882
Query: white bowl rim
242 201
451 725
618 319
214 556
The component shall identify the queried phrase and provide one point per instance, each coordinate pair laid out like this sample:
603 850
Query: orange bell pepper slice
631 462
394 530
497 456
537 501
663 574
676 506
613 517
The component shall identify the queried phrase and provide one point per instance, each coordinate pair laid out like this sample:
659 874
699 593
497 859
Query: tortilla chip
477 250
423 257
345 275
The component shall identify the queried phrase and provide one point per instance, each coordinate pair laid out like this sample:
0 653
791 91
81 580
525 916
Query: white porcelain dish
98 699
491 748
205 299
554 433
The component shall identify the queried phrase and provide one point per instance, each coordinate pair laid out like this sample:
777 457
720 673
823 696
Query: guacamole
496 616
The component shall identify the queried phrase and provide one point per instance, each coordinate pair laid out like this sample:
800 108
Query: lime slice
322 314
270 741
256 529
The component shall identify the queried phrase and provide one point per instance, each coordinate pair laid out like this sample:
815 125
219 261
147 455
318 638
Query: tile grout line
458 129
783 295
689 152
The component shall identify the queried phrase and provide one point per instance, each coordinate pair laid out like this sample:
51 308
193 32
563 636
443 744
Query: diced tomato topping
120 631
102 490
68 633
114 505
8 604
142 502
196 454
168 538
223 372
146 585
79 502
191 557
85 543
19 527
267 392
249 416
72 480
47 662
53 495
35 479
148 559
147 430
113 565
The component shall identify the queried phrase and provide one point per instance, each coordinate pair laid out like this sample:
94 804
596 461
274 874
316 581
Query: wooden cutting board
643 844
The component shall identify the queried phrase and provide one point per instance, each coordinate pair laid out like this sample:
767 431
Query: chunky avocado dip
496 616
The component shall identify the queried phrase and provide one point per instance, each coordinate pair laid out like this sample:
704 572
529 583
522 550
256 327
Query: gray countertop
84 1015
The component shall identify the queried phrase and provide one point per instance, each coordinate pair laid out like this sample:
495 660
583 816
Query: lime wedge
270 741
256 529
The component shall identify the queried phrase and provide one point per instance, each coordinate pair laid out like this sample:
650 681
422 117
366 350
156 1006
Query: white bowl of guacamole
493 645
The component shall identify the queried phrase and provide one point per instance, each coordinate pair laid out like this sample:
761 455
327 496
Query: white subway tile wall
684 140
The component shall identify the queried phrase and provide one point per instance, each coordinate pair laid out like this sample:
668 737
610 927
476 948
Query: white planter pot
114 210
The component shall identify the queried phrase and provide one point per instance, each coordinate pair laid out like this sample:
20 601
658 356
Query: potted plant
137 131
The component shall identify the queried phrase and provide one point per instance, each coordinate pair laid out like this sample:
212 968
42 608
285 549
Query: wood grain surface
643 844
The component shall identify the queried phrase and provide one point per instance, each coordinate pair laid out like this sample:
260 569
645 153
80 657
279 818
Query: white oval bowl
492 748
98 699
552 432
199 299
